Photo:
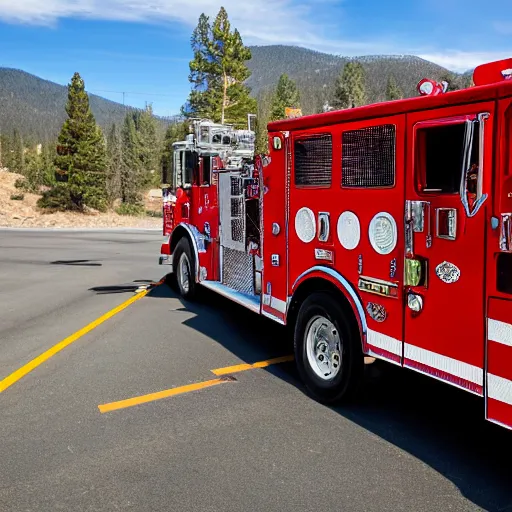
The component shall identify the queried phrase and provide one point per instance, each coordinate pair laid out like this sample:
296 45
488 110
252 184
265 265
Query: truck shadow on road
441 426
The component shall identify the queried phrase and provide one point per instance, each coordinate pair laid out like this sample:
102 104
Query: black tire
345 384
186 285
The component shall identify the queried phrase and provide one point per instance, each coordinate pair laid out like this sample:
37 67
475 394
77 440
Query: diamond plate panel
238 270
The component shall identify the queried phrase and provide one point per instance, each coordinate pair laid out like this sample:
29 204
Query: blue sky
142 47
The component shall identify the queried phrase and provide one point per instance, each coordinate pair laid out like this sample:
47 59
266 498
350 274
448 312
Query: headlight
382 233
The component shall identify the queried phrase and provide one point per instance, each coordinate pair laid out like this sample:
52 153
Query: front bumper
165 253
165 259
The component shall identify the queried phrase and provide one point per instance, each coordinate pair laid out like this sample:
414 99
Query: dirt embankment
24 212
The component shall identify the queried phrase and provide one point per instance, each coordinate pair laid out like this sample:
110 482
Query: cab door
498 395
449 159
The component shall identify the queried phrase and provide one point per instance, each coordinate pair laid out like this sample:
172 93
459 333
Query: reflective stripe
278 304
274 303
445 364
384 342
499 388
425 357
499 331
273 317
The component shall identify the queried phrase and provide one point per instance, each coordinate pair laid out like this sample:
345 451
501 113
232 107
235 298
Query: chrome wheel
323 347
184 273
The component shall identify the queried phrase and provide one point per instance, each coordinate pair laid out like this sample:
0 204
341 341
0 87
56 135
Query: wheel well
177 235
317 284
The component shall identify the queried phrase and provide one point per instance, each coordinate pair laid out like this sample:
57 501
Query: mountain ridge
315 73
35 106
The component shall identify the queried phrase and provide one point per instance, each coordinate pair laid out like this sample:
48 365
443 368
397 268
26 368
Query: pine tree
131 168
48 170
5 151
81 157
452 81
33 171
148 145
350 87
205 98
16 157
218 72
393 91
262 118
467 80
114 165
286 95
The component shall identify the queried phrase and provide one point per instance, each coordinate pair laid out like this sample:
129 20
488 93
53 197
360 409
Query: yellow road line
31 365
244 367
130 402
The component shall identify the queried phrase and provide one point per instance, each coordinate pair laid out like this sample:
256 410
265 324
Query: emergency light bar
493 72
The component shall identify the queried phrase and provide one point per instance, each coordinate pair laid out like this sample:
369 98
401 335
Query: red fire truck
382 231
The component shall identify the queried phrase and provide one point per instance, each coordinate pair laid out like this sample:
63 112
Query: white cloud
279 20
463 61
259 22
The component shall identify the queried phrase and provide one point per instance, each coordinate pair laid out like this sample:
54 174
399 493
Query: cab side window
440 158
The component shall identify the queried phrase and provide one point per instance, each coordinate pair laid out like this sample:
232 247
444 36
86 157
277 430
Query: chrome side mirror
471 183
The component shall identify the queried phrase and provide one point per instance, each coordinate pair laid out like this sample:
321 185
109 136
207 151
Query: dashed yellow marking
244 367
31 365
131 402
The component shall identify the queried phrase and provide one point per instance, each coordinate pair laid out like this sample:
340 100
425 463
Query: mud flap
498 392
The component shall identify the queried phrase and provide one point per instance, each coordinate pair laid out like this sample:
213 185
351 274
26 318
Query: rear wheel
327 349
184 269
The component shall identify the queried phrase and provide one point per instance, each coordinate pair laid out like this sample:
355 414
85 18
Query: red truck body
383 231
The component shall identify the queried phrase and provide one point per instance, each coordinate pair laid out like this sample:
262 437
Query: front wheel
327 349
184 269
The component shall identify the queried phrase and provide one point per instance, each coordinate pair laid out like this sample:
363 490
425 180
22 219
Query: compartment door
274 180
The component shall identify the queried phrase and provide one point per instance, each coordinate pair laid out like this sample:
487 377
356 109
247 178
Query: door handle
323 226
506 232
416 211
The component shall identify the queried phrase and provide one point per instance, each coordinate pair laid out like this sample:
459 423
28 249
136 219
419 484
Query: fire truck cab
383 230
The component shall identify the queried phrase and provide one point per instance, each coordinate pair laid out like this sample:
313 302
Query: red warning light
493 72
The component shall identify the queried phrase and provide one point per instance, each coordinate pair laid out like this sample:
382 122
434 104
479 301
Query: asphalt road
250 444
